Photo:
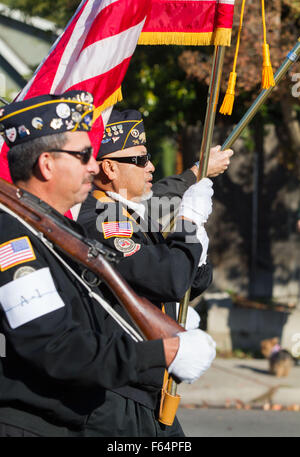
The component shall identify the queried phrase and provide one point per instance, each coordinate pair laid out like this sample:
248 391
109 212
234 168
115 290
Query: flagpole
4 101
212 101
290 59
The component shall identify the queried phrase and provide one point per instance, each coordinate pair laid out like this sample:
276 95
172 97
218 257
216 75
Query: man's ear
110 169
45 165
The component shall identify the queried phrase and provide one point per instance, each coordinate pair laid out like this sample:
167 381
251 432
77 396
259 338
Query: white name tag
29 297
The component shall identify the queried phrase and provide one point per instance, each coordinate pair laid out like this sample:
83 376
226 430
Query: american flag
15 252
93 54
120 229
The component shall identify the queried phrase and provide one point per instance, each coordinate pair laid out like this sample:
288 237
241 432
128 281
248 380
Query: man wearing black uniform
64 356
157 268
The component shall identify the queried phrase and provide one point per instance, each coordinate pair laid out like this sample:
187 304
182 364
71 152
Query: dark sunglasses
140 161
84 155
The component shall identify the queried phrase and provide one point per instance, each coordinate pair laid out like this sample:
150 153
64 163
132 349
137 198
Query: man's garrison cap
124 129
46 115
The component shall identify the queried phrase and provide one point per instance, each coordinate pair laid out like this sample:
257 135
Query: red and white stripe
115 229
93 54
9 258
94 51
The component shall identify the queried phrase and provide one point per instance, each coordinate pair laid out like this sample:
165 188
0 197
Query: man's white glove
196 202
196 352
192 318
204 240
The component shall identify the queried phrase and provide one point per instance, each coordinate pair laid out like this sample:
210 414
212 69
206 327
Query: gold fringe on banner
221 37
111 100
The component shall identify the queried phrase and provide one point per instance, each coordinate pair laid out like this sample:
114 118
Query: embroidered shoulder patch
123 229
15 252
128 247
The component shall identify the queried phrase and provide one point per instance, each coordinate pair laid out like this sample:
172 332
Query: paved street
239 423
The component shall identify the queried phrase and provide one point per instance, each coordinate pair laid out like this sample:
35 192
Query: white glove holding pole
196 352
192 319
204 240
196 202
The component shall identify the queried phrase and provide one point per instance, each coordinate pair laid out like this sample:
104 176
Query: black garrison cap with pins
45 115
124 129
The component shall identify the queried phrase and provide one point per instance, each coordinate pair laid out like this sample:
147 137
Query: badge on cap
70 125
56 124
135 133
11 134
37 123
63 111
76 117
87 98
23 131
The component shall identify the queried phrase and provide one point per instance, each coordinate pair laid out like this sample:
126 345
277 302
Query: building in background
24 42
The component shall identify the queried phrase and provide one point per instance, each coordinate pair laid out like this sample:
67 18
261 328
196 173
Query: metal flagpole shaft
2 100
290 59
212 101
213 97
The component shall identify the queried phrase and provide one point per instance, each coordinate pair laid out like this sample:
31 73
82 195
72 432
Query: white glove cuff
204 240
192 319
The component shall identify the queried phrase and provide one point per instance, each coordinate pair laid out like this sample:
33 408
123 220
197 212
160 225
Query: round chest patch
23 271
127 246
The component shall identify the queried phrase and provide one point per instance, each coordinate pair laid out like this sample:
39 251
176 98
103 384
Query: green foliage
156 86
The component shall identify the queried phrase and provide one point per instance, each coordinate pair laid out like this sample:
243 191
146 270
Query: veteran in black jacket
65 357
123 212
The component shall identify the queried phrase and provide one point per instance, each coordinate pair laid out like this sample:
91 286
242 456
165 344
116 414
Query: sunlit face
133 182
72 179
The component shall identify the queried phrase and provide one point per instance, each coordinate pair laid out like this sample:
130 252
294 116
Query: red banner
189 22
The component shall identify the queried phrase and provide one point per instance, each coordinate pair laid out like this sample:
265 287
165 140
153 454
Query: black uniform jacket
58 365
158 269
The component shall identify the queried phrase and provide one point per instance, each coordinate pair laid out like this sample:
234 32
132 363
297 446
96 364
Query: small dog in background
280 360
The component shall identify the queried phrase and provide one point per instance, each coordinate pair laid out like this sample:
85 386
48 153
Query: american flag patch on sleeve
121 229
15 252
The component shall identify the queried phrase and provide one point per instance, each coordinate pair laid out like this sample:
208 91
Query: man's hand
218 162
194 356
196 203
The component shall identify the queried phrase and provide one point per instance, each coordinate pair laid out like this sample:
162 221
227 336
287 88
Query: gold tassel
267 70
228 101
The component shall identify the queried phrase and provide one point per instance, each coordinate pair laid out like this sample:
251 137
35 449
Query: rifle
151 322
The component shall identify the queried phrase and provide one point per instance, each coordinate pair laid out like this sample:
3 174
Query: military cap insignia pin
23 131
11 134
56 124
63 111
37 123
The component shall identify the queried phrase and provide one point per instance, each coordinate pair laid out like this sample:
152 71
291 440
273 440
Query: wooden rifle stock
151 322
